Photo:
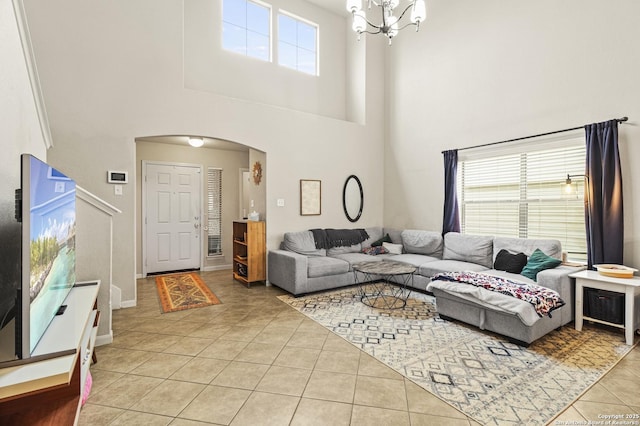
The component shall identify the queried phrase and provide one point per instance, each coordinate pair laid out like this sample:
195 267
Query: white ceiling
336 6
208 142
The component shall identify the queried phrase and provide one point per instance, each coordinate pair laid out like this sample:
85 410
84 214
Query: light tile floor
253 360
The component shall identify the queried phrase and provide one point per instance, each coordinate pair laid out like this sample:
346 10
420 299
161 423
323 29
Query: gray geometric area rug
479 373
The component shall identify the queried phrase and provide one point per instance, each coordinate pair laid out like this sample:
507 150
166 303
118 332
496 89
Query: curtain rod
619 120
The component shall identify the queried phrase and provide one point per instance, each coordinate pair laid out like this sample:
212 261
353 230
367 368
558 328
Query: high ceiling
208 142
336 6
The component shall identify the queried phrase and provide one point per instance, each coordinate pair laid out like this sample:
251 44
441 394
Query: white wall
18 114
257 194
21 133
112 70
93 241
479 72
323 95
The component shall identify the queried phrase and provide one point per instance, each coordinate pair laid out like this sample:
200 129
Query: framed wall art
310 197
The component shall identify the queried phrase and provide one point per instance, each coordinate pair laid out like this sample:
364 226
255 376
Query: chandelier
390 23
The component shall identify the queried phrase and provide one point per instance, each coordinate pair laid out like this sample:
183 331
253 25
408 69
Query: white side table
630 287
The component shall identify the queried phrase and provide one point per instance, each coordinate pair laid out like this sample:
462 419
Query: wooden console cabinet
249 251
48 391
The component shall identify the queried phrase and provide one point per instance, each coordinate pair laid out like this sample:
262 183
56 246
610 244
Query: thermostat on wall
117 177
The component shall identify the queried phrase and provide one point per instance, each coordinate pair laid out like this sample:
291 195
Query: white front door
171 217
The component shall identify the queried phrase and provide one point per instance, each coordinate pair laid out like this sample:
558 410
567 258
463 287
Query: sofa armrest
558 279
288 270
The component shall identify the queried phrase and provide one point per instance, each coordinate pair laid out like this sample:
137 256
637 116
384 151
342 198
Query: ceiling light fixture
196 142
390 25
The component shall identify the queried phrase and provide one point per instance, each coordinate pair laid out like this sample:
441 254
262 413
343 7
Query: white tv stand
48 392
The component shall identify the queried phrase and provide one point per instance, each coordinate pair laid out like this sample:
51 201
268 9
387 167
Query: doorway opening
239 196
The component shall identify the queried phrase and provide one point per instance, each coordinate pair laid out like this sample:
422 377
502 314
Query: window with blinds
214 211
524 195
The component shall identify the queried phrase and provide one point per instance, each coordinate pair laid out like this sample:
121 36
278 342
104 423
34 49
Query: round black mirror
352 198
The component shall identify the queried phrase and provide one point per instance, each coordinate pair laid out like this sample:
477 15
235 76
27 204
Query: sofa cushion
379 241
375 234
527 246
431 268
538 261
510 262
395 234
320 266
333 251
510 276
468 248
353 258
302 242
422 242
413 259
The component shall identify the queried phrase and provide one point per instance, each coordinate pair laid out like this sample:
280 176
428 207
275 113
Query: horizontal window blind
524 195
214 211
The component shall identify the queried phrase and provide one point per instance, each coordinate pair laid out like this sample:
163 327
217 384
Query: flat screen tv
48 215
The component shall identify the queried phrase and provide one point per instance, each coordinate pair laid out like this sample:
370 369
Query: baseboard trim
218 268
104 339
128 304
205 269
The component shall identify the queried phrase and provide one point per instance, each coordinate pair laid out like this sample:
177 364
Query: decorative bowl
616 271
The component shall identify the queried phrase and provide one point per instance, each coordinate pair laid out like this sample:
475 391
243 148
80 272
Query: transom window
246 28
524 195
297 44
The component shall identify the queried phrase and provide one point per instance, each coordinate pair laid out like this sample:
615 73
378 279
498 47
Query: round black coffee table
383 284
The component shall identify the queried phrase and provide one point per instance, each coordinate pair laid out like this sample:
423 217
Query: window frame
526 191
246 54
316 52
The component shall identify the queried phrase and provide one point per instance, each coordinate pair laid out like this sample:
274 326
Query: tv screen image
49 250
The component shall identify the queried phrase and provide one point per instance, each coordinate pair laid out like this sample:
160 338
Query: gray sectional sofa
300 268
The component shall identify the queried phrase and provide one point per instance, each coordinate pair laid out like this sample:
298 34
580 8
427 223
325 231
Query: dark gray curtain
603 210
451 219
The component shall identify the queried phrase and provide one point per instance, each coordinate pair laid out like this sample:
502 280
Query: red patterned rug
184 291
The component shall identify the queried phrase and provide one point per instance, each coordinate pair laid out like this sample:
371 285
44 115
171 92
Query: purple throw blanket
543 299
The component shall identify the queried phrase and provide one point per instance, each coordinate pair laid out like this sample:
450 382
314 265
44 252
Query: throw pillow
538 261
374 250
393 248
385 239
513 263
